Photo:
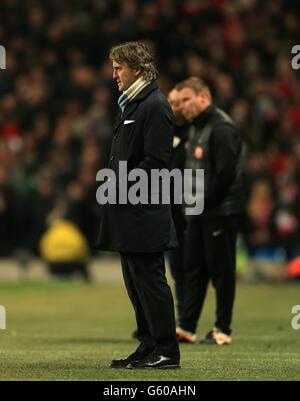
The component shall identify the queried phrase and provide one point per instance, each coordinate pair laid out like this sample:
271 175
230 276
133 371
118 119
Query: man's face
174 100
124 75
191 104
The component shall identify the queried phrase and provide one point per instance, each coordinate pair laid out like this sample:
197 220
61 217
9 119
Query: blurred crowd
58 104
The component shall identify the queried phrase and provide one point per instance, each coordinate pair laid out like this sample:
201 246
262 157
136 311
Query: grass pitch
71 330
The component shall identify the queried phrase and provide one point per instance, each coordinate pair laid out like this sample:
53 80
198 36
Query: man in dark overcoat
142 232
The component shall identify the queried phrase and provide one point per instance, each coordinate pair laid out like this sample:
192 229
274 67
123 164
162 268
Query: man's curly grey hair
135 55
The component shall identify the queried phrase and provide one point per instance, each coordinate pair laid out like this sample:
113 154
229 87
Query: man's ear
203 96
138 72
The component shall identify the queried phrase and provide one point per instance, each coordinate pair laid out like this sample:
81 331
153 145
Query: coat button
112 158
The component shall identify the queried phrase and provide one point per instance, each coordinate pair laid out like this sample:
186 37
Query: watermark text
2 318
296 318
159 186
296 59
2 58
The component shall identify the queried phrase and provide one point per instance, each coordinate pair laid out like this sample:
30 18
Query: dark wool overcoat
143 137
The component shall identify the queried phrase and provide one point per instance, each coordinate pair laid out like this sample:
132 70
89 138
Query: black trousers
176 257
210 253
151 297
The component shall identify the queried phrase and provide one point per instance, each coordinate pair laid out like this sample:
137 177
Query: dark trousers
210 253
151 297
176 257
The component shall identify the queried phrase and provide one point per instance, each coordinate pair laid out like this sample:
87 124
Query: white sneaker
184 336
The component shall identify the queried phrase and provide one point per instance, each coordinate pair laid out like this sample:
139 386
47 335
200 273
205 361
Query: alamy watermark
296 319
2 318
296 59
2 58
159 186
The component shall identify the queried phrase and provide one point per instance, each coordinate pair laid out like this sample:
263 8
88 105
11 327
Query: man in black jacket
215 146
176 256
142 232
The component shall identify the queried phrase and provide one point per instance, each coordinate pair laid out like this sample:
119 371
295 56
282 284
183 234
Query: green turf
70 331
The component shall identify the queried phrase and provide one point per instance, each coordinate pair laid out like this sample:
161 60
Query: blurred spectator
9 215
260 230
63 246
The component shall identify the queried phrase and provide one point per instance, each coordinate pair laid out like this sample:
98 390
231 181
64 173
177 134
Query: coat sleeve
225 145
158 136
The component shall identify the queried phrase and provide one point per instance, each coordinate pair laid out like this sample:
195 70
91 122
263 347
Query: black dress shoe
155 361
141 352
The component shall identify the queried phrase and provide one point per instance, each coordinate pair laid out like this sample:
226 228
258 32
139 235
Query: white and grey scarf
132 92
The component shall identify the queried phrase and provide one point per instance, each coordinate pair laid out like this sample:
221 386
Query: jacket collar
145 92
203 117
131 106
